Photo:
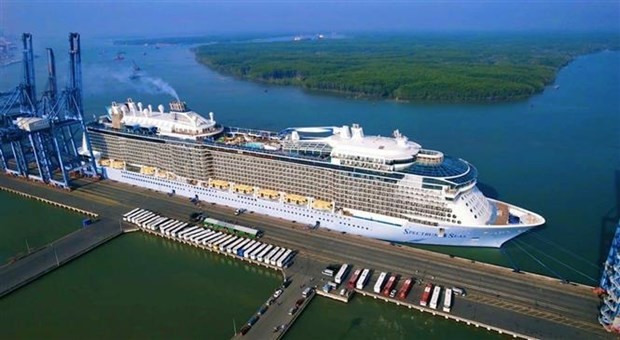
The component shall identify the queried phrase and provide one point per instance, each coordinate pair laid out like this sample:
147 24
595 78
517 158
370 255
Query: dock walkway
277 316
29 268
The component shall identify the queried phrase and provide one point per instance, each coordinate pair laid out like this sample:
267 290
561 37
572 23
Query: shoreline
362 96
475 78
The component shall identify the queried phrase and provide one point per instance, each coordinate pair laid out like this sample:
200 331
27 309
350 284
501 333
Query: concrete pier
50 202
277 316
29 268
303 272
129 227
437 312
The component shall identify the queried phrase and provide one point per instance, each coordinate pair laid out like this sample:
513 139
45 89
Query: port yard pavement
525 303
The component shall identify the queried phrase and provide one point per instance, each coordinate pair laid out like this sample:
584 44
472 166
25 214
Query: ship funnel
211 118
150 108
178 106
160 108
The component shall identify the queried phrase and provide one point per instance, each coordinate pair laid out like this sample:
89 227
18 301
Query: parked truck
379 283
426 295
435 297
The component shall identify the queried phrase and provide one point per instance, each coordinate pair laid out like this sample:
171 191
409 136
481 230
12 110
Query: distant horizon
131 18
351 33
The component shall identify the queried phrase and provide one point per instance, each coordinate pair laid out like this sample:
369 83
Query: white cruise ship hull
448 235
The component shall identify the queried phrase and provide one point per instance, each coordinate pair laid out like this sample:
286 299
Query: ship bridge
452 172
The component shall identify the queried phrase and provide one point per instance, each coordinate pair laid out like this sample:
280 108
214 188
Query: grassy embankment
435 68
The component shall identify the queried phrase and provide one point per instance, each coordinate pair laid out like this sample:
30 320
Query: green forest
432 68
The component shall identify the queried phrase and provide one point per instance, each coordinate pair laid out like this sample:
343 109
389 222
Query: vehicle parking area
307 278
342 281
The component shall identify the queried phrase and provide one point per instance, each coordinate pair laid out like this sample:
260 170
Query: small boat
137 71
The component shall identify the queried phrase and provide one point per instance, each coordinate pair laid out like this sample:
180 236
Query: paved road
535 305
29 268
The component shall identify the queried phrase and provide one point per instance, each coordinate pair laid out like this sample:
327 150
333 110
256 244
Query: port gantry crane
45 139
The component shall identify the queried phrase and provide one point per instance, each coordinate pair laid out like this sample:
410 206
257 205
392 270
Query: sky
184 17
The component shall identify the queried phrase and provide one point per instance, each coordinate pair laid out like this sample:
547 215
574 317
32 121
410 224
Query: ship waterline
387 188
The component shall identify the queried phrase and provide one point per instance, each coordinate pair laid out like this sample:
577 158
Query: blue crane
45 138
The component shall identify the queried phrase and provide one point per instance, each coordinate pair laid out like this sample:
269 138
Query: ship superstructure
333 177
180 122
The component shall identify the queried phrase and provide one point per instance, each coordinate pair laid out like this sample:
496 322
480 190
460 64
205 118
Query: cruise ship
333 177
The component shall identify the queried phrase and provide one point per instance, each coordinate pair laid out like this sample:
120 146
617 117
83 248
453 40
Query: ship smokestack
178 106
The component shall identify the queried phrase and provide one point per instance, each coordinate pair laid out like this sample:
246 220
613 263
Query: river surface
557 154
139 286
27 225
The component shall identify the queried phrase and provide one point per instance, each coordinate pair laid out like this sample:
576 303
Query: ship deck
502 213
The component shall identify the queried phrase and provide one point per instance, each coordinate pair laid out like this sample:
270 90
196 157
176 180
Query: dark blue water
557 153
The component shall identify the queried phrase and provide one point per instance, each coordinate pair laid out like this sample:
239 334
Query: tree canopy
436 68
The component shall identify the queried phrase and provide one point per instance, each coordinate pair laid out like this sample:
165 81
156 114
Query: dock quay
270 320
277 319
413 305
129 226
46 259
532 305
50 202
